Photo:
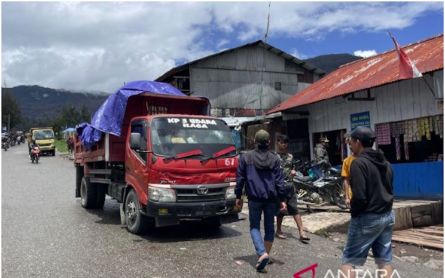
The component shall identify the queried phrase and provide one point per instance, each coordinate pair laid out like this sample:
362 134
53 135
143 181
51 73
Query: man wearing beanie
260 174
372 218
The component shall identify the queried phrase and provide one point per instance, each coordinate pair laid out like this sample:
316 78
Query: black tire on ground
79 176
53 153
212 222
100 197
88 194
136 222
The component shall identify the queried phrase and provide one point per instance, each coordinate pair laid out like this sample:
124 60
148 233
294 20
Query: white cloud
101 45
365 53
294 52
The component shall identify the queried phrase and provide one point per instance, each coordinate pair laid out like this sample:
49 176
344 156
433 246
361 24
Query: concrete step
409 214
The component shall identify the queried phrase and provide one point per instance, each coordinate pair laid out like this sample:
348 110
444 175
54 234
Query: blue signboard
360 119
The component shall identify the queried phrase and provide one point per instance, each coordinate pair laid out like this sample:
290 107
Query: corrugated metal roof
260 43
367 73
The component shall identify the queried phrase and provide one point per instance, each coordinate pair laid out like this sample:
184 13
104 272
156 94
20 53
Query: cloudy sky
97 46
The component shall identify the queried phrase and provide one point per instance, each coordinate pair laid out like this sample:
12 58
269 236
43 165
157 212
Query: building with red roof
407 114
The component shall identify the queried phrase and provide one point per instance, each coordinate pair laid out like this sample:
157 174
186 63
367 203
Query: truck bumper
166 214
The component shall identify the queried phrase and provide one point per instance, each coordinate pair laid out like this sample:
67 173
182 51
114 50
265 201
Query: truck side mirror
135 140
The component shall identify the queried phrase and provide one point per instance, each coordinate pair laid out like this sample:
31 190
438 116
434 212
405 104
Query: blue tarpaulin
418 180
108 118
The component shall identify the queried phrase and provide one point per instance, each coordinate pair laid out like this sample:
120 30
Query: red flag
407 69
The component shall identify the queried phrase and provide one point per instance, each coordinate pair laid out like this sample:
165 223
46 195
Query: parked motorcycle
5 142
35 154
318 186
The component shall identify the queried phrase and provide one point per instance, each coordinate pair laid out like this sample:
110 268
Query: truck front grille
191 195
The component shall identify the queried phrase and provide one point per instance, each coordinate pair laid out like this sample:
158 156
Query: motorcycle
35 154
5 143
318 186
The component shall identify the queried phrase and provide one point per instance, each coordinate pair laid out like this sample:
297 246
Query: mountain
331 62
37 102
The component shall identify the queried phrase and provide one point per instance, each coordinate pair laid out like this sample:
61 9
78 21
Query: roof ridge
392 50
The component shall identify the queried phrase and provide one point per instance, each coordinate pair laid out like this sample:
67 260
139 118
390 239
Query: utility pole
264 63
267 26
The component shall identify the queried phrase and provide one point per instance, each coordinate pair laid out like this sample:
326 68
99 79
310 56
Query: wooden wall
236 79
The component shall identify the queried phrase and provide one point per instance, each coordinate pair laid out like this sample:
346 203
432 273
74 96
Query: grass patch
61 146
322 233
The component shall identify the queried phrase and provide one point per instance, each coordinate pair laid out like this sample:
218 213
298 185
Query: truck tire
136 222
79 176
53 153
100 196
88 194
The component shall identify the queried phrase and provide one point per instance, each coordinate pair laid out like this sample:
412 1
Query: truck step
100 171
99 180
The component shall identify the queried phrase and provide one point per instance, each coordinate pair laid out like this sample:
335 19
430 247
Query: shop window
415 140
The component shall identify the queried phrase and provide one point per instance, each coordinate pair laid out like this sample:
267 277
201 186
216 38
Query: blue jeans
256 208
368 231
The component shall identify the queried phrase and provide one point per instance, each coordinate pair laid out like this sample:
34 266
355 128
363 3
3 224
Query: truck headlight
230 193
161 194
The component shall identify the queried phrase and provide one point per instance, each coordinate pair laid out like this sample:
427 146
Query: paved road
45 233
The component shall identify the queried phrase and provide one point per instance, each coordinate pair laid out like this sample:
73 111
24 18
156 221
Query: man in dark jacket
259 172
372 218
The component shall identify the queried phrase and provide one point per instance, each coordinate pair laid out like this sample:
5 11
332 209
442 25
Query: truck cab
184 166
44 137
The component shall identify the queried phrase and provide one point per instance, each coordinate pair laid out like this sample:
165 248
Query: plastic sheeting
108 118
418 180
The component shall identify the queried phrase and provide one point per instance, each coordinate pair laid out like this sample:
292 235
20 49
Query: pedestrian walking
372 218
345 172
286 160
260 174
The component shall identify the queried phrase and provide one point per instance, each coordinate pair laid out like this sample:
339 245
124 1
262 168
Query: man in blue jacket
259 172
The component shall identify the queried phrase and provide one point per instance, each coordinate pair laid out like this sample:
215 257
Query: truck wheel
53 153
212 222
88 194
136 222
100 197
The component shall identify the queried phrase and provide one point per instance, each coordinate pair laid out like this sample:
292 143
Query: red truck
172 162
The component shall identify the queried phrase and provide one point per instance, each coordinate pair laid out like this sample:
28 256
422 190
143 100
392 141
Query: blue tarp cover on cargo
108 118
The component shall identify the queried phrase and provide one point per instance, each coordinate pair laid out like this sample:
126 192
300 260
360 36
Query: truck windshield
172 136
43 134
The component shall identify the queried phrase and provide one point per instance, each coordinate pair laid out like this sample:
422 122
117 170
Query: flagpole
429 86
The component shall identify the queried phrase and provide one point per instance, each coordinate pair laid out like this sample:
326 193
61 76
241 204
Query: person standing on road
286 160
372 218
259 172
345 172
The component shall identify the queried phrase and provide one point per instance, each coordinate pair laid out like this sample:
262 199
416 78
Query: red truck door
136 160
